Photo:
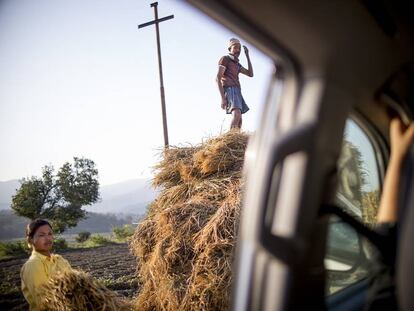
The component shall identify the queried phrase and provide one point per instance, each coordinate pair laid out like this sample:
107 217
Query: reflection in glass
358 187
346 258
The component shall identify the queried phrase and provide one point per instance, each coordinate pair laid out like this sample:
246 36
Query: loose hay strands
167 268
169 169
184 247
77 291
217 156
214 244
222 154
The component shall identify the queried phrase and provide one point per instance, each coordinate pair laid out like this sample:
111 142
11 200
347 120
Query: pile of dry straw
184 247
76 290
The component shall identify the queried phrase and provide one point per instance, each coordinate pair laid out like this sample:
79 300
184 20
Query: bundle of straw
76 290
184 247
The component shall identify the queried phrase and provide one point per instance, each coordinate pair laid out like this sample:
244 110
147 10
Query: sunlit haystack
76 290
370 204
184 247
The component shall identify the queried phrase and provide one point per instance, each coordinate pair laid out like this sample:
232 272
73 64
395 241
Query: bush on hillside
14 249
123 233
83 236
60 244
99 240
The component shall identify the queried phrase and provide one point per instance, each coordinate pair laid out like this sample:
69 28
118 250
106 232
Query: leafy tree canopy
59 197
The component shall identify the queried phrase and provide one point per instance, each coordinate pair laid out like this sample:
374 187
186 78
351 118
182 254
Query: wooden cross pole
156 21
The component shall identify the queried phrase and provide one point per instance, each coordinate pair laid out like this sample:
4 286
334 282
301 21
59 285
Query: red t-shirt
231 74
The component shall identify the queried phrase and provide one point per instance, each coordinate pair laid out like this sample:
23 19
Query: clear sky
77 78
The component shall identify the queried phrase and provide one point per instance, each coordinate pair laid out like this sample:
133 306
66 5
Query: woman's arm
401 138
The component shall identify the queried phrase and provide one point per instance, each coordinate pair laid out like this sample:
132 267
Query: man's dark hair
34 225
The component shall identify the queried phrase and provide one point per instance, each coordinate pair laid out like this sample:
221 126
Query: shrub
14 249
98 239
123 233
83 236
60 244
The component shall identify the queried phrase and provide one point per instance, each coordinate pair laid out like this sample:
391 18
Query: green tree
59 198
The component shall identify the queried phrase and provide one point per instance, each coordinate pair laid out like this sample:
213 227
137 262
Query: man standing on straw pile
229 84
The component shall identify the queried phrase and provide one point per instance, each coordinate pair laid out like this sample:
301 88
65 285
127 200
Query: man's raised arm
249 70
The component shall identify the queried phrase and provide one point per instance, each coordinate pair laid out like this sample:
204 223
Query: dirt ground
112 264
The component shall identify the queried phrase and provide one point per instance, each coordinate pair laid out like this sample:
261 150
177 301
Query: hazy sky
77 78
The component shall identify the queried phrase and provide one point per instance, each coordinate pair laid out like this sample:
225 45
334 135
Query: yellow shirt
36 271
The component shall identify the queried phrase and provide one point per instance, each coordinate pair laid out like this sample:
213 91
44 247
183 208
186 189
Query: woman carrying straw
42 264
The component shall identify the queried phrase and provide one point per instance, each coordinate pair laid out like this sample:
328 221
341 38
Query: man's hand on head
246 50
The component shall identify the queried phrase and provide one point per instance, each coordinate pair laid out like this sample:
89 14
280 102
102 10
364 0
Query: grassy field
112 264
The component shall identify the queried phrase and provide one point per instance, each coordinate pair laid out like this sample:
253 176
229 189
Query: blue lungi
234 99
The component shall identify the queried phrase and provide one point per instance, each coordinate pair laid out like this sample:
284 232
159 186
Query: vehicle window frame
381 155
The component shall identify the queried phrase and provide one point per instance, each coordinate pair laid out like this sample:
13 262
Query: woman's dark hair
34 225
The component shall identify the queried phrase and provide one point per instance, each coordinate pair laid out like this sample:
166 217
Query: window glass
358 186
347 254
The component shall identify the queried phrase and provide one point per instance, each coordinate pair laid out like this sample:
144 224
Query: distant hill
7 190
13 226
128 197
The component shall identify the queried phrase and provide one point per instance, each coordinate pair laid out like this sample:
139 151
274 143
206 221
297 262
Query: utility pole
156 21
